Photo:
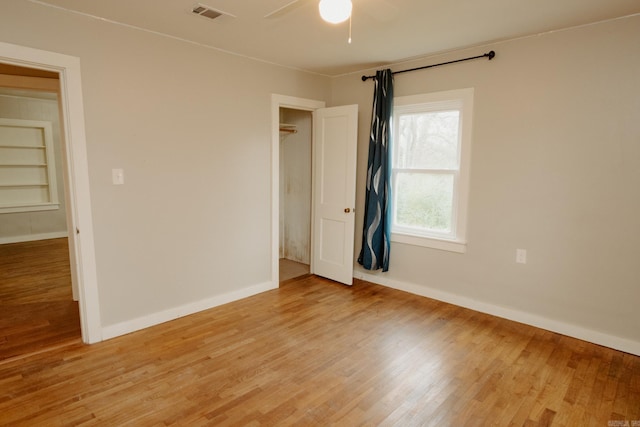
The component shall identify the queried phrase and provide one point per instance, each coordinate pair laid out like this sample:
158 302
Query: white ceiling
384 31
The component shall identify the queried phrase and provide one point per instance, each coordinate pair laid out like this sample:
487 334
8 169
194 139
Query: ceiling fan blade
282 10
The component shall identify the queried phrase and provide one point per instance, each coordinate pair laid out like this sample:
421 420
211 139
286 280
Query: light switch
117 176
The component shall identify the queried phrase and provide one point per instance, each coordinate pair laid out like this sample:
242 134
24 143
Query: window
430 169
27 167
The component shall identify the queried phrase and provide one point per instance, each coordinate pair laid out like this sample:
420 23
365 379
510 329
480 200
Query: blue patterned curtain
377 210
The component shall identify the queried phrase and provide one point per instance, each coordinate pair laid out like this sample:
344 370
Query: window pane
424 201
427 140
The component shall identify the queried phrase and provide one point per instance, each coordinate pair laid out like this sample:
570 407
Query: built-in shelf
23 165
28 147
27 169
24 185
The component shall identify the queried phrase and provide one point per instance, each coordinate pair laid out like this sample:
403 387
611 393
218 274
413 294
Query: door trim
77 174
277 102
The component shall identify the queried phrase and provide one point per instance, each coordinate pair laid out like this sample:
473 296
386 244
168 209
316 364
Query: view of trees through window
425 162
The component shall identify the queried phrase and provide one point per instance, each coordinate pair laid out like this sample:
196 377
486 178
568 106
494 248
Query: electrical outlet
521 256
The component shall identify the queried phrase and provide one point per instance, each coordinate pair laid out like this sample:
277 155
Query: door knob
347 210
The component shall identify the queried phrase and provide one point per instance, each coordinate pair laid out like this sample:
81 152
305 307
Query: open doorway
78 201
295 193
38 308
300 109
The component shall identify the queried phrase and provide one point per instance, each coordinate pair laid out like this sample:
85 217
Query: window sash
419 231
411 110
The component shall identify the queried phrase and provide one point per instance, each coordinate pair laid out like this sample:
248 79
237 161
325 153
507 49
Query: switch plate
521 256
117 176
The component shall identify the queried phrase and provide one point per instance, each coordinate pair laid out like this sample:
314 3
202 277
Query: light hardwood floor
291 269
37 310
314 352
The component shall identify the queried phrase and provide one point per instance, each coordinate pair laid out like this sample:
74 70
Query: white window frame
49 165
461 100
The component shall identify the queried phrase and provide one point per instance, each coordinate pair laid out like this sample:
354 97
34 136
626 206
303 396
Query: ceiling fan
338 11
380 10
332 11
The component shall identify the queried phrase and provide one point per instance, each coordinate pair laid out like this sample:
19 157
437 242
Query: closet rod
489 55
288 130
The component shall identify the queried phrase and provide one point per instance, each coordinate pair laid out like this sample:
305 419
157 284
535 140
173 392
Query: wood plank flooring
37 310
314 352
291 269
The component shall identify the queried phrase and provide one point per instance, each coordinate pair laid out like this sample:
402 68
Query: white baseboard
112 331
33 237
552 325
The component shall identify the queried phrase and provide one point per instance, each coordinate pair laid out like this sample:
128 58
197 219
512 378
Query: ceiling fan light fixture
335 11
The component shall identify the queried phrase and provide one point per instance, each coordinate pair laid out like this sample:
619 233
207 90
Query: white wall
295 187
23 226
190 126
555 170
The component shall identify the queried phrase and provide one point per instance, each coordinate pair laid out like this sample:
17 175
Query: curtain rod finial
491 55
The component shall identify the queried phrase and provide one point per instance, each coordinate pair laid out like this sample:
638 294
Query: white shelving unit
27 166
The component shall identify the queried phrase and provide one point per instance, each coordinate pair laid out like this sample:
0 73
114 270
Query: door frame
79 218
277 102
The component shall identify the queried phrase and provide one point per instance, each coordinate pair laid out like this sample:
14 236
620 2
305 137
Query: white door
335 132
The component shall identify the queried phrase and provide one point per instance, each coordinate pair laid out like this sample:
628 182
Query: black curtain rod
489 55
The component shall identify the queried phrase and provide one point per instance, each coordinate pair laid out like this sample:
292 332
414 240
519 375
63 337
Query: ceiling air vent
208 12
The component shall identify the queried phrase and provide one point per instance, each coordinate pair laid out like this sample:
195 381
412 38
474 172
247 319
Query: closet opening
295 194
